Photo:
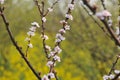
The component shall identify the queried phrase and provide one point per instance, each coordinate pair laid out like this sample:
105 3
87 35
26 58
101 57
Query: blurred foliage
87 52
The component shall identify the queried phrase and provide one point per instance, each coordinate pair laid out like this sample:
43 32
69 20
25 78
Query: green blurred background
87 52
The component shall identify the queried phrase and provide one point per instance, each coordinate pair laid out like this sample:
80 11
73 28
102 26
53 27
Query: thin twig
16 45
88 5
41 12
111 32
58 43
26 52
51 7
109 29
38 5
101 27
43 5
43 31
116 77
113 66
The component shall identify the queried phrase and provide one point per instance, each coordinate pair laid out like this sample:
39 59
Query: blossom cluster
31 33
45 37
51 63
44 19
53 53
106 77
50 9
48 76
103 14
71 6
111 76
68 15
60 38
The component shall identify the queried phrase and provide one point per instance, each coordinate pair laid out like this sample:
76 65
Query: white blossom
109 25
63 22
99 15
44 37
30 45
50 9
117 31
105 77
27 39
109 22
32 29
35 24
44 19
111 76
59 36
56 58
69 16
62 31
67 27
71 6
90 13
116 71
51 75
57 49
52 53
30 33
106 13
2 1
48 47
45 77
49 63
58 40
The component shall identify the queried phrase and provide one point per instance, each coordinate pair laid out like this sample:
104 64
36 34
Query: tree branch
109 29
101 27
111 32
114 64
116 77
16 45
